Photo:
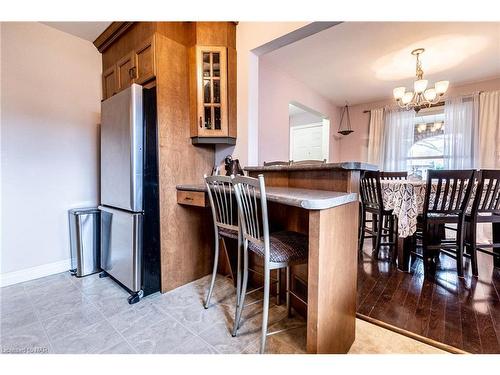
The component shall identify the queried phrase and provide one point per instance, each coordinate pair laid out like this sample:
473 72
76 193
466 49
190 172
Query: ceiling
360 62
85 30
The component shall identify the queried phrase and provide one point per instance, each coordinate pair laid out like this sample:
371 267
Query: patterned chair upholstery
285 247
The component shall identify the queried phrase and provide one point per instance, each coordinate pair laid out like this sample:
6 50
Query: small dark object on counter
232 167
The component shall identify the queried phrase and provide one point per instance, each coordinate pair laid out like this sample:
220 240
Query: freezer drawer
121 246
122 146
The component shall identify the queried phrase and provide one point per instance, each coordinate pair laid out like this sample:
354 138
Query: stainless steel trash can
84 235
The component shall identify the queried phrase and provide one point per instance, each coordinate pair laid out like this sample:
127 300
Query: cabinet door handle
131 72
201 122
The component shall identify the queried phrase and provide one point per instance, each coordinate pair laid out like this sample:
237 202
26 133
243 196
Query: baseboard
10 278
425 340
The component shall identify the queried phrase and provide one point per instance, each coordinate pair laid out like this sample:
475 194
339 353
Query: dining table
406 198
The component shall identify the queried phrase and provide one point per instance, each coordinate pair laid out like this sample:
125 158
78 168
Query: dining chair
278 250
277 162
308 162
446 204
485 209
384 223
393 175
225 217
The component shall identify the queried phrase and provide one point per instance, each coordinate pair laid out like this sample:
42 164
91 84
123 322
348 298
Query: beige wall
354 147
276 90
250 35
50 100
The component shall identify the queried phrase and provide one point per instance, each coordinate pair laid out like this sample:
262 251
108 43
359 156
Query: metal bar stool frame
225 216
253 230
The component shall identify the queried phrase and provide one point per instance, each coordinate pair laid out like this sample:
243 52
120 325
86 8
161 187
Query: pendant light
345 125
422 96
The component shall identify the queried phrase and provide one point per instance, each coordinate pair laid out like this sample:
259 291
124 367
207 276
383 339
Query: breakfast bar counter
325 176
321 201
303 198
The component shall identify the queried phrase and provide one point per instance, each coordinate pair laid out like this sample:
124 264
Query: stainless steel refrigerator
130 245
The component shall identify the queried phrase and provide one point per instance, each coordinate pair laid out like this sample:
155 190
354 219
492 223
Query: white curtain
489 145
489 130
376 136
461 132
398 139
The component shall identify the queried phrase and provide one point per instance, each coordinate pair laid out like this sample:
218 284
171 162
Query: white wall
50 100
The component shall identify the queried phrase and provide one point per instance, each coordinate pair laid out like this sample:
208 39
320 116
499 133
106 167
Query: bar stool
225 217
276 163
278 250
308 162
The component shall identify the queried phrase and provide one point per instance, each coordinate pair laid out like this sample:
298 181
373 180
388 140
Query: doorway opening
309 133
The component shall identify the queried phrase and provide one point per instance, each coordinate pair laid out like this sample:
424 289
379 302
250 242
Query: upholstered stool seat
285 247
228 233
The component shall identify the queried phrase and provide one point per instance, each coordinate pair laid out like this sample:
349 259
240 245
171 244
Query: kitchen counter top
308 199
348 165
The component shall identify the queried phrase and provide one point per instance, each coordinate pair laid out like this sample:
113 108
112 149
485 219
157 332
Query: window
427 151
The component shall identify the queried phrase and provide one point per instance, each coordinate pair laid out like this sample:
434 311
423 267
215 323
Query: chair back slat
221 197
495 195
307 162
447 201
251 199
487 197
276 162
452 192
437 195
393 175
371 190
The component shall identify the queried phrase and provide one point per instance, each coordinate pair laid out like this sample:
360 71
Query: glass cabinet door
212 91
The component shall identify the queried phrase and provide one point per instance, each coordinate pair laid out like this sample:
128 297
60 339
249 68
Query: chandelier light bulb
407 97
420 86
441 87
430 94
399 92
437 125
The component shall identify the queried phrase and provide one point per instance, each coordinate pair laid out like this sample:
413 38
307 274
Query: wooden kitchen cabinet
164 57
125 68
211 95
213 84
137 66
145 62
109 82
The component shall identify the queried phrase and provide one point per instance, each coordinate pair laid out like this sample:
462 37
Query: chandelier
421 96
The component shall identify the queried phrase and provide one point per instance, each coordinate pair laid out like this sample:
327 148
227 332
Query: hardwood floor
463 313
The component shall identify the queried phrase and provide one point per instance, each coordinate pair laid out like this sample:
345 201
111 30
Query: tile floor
64 314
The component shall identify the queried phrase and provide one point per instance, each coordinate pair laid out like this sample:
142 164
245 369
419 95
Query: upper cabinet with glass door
212 108
214 101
